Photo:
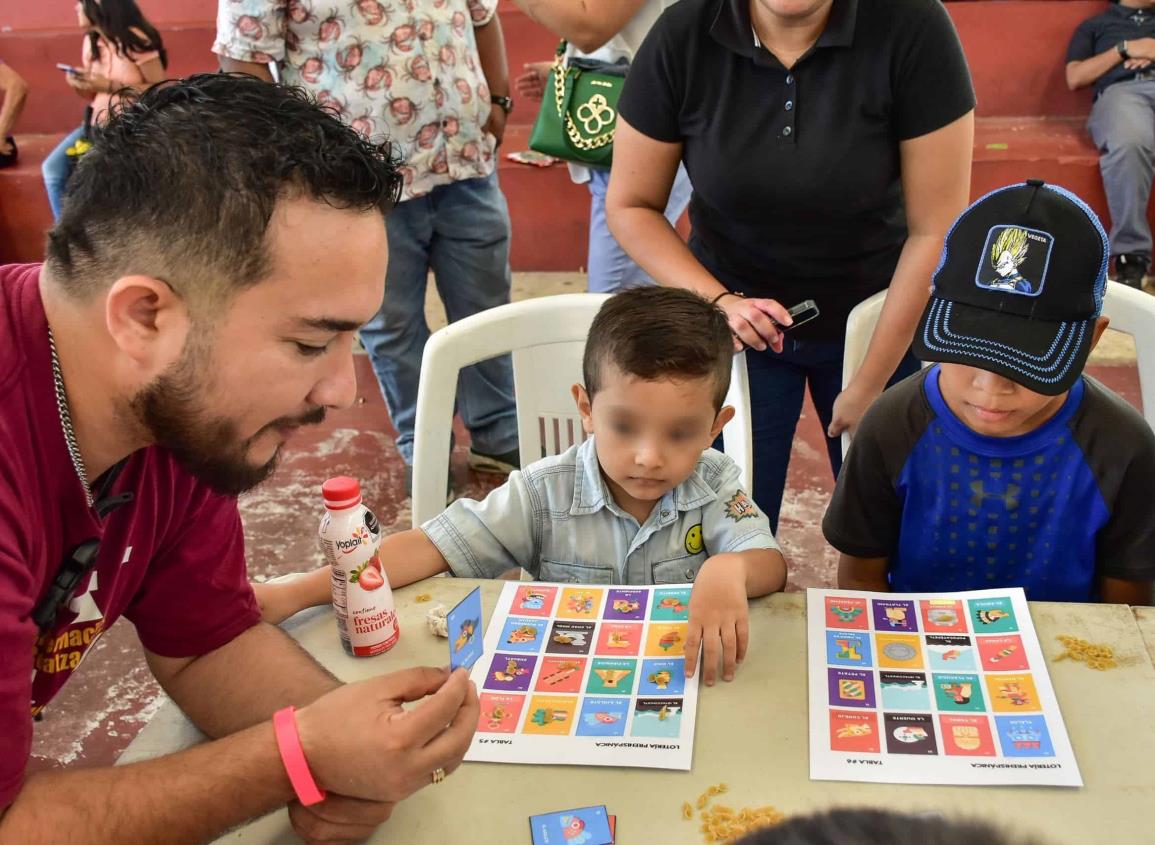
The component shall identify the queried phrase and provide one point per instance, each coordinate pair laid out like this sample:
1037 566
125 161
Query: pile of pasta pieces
1099 657
721 823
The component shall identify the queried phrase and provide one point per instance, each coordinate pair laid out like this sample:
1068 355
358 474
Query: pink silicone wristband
293 756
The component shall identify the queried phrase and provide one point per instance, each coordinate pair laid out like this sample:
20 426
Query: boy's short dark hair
182 181
871 827
655 332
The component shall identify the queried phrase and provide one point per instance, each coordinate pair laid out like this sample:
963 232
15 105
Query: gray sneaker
502 464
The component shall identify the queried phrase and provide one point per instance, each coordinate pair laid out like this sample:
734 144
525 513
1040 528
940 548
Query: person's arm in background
863 573
863 521
1118 591
1084 72
587 24
15 92
936 170
239 54
1125 546
152 71
252 68
640 182
531 84
491 53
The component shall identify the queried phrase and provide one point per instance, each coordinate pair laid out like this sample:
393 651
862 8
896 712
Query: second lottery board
587 675
932 688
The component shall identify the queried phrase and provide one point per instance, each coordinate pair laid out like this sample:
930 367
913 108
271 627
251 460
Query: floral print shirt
405 69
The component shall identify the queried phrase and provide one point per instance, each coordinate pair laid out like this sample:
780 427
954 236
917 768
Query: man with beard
220 245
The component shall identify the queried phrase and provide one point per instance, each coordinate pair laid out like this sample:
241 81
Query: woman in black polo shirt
829 144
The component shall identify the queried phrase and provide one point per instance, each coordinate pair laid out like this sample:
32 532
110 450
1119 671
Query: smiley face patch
694 542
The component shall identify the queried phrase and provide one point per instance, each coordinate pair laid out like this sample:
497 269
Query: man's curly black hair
182 181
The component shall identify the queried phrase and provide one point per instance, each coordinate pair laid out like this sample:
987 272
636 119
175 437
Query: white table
752 734
1145 617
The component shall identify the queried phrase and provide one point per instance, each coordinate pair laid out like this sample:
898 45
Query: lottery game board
586 675
932 688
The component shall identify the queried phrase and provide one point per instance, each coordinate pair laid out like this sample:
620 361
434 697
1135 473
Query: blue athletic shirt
1050 511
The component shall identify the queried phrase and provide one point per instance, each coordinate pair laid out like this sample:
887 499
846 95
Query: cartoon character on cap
1007 252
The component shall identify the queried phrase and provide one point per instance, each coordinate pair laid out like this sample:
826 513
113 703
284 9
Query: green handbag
579 111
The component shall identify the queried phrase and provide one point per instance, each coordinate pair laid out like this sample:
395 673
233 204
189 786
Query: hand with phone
762 323
84 83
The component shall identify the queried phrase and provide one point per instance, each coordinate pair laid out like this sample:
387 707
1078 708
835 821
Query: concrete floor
112 697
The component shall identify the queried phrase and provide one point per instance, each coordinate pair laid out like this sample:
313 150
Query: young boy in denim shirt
1003 465
643 500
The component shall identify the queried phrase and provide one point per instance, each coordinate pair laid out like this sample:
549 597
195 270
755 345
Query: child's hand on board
719 618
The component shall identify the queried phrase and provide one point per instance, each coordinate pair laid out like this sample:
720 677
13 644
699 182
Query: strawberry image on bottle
362 600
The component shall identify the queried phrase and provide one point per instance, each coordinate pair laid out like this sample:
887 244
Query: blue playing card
465 631
583 826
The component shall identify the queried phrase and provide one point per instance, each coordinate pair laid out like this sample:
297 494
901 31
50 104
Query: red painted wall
36 34
22 15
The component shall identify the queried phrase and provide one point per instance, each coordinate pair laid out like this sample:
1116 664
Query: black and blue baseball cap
1019 287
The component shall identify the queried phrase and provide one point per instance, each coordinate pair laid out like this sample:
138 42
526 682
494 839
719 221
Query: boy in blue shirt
643 500
1003 465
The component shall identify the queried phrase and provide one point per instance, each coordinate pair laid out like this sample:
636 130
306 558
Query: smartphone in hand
75 71
801 313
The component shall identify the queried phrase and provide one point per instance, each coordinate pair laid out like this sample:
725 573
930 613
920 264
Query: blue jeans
777 385
56 170
460 231
610 269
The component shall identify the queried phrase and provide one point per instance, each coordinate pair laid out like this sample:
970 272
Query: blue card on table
583 826
465 631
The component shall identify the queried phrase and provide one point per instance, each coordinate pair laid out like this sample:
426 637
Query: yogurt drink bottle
362 600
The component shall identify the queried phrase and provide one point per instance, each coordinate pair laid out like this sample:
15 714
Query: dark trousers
777 386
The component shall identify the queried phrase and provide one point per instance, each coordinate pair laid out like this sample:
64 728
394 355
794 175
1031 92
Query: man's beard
209 448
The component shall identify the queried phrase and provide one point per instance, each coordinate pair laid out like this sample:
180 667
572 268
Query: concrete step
550 214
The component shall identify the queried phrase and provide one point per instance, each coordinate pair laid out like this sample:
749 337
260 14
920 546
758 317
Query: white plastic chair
1131 311
546 340
859 329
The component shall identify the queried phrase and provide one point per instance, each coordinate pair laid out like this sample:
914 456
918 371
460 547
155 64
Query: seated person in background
15 90
1113 51
871 827
122 53
1004 465
642 501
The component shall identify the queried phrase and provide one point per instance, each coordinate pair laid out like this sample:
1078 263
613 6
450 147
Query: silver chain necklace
66 421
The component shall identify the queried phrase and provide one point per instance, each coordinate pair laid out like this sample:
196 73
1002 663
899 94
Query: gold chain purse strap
595 114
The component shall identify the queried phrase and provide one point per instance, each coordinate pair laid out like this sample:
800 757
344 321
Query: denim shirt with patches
558 520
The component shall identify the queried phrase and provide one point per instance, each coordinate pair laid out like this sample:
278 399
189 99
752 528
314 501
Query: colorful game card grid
932 688
588 676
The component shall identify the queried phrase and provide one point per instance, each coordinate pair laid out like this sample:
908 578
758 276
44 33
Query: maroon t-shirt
172 560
